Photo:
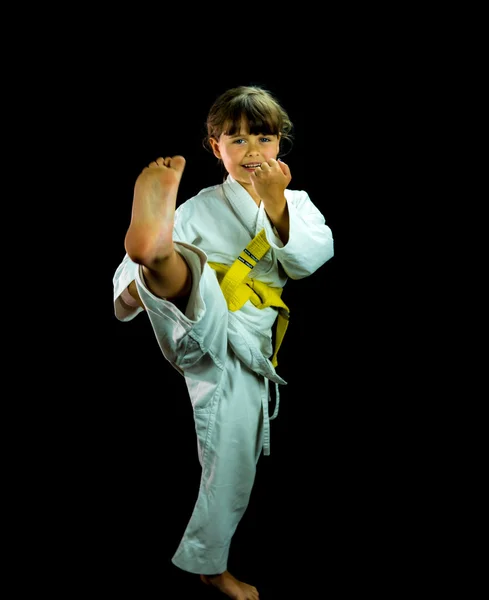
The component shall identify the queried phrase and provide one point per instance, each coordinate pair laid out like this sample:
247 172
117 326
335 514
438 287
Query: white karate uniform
224 356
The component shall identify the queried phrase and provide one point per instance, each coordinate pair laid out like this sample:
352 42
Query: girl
209 275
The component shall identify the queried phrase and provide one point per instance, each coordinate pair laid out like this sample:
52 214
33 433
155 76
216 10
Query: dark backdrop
109 457
134 467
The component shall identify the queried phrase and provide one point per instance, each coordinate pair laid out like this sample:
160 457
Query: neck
249 188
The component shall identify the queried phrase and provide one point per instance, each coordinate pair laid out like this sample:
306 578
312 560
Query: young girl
209 275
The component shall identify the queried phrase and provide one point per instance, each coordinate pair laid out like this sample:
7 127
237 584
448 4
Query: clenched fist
270 179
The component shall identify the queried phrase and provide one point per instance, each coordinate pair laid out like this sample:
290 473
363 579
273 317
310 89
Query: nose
253 149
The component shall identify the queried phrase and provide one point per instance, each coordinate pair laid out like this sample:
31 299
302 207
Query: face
241 151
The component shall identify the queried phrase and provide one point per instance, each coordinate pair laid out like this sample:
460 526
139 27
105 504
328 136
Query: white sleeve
124 275
310 242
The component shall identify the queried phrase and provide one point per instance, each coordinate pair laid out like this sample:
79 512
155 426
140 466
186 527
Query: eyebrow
244 134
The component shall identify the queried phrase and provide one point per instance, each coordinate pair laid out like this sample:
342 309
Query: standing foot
231 587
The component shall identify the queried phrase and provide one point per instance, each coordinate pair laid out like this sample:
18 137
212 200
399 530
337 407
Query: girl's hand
270 179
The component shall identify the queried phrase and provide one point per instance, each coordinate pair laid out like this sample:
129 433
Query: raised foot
150 233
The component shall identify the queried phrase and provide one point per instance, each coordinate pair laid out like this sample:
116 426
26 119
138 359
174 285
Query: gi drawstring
267 419
277 401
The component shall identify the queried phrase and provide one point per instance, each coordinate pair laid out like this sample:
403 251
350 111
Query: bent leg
148 240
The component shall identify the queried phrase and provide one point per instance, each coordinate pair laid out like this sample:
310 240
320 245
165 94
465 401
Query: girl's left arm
310 239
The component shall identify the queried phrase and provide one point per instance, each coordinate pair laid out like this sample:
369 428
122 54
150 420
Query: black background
307 508
123 454
151 460
100 457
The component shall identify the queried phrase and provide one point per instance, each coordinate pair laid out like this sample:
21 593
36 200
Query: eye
236 141
266 139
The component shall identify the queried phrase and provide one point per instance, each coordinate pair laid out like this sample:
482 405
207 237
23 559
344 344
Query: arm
304 241
279 217
310 240
269 181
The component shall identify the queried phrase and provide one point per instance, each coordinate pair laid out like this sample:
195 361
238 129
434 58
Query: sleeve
124 275
310 242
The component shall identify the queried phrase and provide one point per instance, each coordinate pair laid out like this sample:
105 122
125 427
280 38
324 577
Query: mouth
251 166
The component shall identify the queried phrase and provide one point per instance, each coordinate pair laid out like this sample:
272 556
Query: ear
215 147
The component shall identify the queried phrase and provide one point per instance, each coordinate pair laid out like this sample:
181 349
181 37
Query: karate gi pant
229 400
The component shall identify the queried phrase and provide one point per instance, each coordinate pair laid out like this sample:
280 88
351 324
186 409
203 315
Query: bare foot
149 236
231 587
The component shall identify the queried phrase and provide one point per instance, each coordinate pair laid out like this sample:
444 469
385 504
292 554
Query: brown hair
256 106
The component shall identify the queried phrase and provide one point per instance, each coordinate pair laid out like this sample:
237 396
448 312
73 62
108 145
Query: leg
229 443
149 239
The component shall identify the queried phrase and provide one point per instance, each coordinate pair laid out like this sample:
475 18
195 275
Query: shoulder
297 197
303 204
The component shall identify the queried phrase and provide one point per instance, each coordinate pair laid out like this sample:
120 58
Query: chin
242 178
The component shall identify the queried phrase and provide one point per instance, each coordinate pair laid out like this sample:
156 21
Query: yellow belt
237 291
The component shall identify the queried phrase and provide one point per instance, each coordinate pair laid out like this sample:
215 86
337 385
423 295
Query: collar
253 217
